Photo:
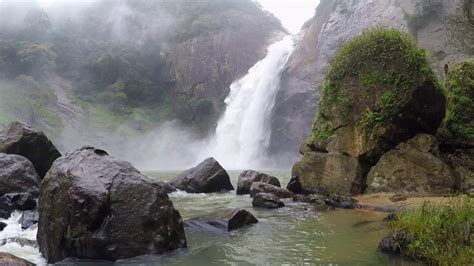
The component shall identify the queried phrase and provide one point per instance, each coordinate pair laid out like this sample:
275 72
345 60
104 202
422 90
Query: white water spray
243 132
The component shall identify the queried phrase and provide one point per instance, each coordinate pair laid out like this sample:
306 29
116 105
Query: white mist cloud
292 13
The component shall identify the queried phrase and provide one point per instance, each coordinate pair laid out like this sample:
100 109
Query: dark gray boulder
7 259
395 244
17 174
221 221
27 141
16 201
207 177
260 187
94 206
167 187
248 177
267 200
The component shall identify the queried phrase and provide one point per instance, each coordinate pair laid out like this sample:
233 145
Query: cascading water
243 132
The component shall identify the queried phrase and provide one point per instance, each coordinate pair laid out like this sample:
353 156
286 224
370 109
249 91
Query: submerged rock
94 206
342 202
267 200
248 177
412 167
27 141
28 219
16 201
7 259
260 187
207 177
219 221
17 174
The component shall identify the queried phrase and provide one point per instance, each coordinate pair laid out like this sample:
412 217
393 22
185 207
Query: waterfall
243 132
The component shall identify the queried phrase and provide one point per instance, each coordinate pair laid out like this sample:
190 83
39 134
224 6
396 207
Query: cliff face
336 22
202 68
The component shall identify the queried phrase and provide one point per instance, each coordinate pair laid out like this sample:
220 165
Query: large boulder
16 201
94 206
17 174
412 167
327 172
379 91
221 221
207 177
7 259
267 200
27 141
261 187
248 177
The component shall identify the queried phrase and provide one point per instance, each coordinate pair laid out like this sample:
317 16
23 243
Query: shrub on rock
27 141
379 91
94 206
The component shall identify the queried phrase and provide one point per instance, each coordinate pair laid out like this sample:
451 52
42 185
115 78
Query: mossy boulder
459 121
379 91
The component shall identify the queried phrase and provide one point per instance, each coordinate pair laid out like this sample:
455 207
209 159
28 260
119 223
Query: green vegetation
379 60
439 234
116 61
460 101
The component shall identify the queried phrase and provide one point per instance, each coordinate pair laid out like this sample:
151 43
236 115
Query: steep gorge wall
336 22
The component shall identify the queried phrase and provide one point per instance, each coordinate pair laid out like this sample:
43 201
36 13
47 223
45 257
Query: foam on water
13 230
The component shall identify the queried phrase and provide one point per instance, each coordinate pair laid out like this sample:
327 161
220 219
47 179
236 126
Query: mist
99 75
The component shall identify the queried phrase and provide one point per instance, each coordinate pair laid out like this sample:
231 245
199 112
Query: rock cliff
334 23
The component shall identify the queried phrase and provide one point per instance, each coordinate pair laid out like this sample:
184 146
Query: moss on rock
460 101
380 86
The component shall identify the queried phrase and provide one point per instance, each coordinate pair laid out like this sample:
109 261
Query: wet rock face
413 166
261 187
267 200
202 68
207 177
27 141
221 221
328 172
248 177
7 259
17 174
94 206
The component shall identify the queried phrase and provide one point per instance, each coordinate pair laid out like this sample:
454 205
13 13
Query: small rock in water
2 226
28 219
248 177
7 259
394 244
343 202
222 221
167 187
261 187
16 201
267 200
207 177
